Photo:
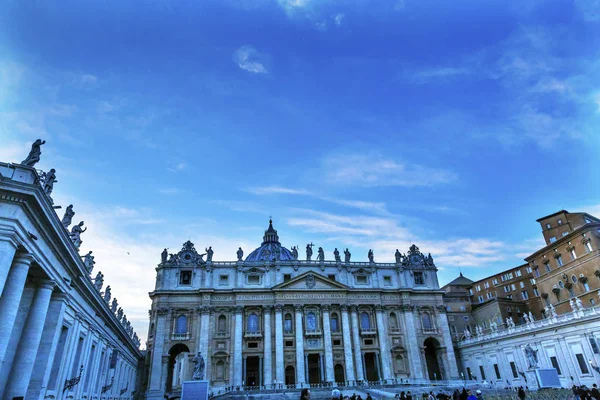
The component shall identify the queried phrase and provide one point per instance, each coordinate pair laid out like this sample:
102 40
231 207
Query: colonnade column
30 341
329 374
356 343
412 344
7 253
205 328
279 366
448 343
300 372
383 343
157 352
348 362
268 363
11 297
237 347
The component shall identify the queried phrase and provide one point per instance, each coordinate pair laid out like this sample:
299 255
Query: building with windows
458 306
271 319
59 338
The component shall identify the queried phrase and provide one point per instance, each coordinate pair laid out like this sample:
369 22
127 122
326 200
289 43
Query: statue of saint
532 358
320 254
295 252
398 256
119 313
76 232
172 258
49 180
107 294
198 367
336 254
34 153
526 317
209 254
579 303
114 305
99 281
309 251
370 255
347 255
163 256
68 217
88 261
531 317
240 254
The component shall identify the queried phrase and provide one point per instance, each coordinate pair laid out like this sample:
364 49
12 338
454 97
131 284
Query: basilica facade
270 319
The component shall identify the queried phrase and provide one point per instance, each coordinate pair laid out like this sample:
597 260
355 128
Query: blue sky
355 124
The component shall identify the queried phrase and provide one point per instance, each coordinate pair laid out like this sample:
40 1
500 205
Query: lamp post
462 375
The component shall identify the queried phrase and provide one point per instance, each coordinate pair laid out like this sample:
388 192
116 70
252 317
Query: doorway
371 367
338 372
290 375
431 357
314 368
252 371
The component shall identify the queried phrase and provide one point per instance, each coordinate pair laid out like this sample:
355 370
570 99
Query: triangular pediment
310 280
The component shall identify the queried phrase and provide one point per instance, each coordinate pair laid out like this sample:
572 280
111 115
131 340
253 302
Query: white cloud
338 19
266 190
247 58
170 191
87 79
437 74
292 6
178 167
589 9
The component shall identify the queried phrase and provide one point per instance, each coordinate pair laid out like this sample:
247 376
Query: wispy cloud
249 59
170 191
265 190
339 18
439 73
292 6
180 166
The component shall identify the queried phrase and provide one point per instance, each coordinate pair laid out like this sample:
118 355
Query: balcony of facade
368 332
313 332
221 334
253 334
180 336
395 331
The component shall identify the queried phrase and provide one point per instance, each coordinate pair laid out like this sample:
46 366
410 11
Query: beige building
458 306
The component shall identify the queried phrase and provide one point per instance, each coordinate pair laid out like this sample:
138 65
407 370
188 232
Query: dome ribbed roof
270 249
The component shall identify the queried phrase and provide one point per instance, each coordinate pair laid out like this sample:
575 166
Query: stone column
329 374
204 338
279 363
412 344
237 347
300 373
157 381
30 341
356 343
268 363
386 361
7 253
347 344
11 297
443 325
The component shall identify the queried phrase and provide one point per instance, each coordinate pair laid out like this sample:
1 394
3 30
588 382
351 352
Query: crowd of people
585 393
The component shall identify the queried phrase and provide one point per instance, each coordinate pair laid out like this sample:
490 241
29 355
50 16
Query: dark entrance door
371 367
290 375
431 357
338 371
314 368
252 371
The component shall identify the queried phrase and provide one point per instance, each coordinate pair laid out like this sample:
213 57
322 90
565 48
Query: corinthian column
453 368
347 344
300 373
329 375
268 363
412 344
279 367
237 347
204 338
356 342
30 342
383 343
7 252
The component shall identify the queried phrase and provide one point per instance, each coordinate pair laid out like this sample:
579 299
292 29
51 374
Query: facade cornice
563 240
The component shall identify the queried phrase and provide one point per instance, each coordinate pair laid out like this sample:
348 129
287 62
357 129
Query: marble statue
398 256
320 254
240 254
76 232
532 358
370 255
124 320
347 255
88 261
336 255
526 318
114 305
531 318
99 281
34 154
573 305
552 310
49 181
209 254
309 251
68 217
107 294
277 253
119 313
198 367
429 260
467 334
172 258
163 256
512 323
295 252
579 304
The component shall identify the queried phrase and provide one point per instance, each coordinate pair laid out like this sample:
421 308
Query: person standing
521 393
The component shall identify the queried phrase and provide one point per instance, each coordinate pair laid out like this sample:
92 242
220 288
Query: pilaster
450 356
268 352
356 343
279 360
386 361
349 363
300 366
329 373
157 381
412 343
237 347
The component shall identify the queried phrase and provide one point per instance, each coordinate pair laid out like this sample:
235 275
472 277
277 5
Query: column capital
378 308
407 307
278 307
268 308
441 309
204 309
48 284
325 307
298 307
238 309
353 308
23 258
162 311
344 308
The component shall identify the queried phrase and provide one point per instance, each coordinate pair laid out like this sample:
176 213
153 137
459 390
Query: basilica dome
270 249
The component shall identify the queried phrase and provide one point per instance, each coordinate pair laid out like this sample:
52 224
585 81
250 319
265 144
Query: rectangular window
528 270
497 370
573 254
419 278
337 342
252 345
471 292
521 284
565 233
495 281
555 365
489 295
509 297
287 277
482 372
559 261
223 280
253 280
525 295
513 287
387 281
185 277
548 226
469 373
594 345
582 364
536 271
559 221
289 343
361 279
547 265
588 247
331 277
480 298
368 342
518 272
552 239
513 368
478 288
486 285
465 317
536 292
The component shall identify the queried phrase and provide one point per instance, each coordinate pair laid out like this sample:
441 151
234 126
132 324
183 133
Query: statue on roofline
34 154
68 217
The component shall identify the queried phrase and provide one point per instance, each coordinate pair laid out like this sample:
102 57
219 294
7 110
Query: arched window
221 323
393 321
427 321
287 323
311 321
181 325
400 364
335 325
220 366
252 323
365 322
